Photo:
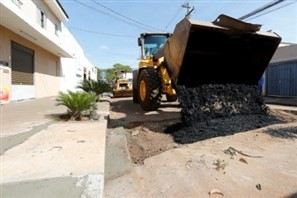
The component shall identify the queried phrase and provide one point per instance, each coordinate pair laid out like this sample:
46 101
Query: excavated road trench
207 111
217 110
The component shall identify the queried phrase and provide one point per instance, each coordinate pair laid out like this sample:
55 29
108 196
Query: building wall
5 74
73 69
32 10
72 72
285 53
47 74
51 44
46 68
282 79
281 74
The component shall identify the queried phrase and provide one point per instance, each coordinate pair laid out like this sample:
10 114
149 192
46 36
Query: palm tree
77 103
97 87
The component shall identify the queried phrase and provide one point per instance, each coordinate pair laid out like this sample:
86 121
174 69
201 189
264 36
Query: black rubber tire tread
134 87
171 98
153 85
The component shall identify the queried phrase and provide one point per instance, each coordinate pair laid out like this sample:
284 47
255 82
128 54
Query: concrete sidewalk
41 157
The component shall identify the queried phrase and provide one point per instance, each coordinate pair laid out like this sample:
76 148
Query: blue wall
281 79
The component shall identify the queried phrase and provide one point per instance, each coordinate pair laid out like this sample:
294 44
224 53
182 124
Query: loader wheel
149 89
171 98
135 93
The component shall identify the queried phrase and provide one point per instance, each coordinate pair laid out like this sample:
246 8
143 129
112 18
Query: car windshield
152 43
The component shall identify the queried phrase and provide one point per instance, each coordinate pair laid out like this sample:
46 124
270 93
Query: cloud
104 47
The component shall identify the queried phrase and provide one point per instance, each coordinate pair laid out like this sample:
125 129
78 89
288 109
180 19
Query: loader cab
150 43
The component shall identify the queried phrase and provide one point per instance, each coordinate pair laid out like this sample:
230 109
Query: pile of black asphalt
287 132
214 110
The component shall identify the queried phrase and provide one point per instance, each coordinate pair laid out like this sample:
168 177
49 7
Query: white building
38 55
77 68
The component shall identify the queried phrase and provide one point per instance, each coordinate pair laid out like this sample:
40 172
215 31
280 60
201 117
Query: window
153 43
57 29
57 68
41 18
85 73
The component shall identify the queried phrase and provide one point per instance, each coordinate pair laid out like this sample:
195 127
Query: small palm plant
77 103
97 87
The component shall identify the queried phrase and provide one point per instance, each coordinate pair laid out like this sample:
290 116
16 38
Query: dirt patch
152 138
148 139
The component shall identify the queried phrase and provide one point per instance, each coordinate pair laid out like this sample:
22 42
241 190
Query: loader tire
135 93
171 98
149 89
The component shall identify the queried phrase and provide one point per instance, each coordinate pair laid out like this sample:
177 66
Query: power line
174 17
101 33
211 12
272 10
260 9
234 6
107 14
128 18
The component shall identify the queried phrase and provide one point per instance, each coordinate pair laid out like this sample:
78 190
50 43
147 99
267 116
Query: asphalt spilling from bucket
218 110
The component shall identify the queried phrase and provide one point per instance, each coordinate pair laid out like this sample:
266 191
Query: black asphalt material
217 110
289 132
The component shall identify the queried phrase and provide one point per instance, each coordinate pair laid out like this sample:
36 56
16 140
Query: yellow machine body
122 86
224 51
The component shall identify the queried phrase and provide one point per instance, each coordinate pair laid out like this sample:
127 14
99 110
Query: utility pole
188 7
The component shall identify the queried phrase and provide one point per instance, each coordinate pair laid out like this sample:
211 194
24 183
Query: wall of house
73 69
70 73
52 73
5 93
47 74
32 10
46 68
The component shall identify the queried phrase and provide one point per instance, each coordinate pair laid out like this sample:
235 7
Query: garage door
282 79
22 64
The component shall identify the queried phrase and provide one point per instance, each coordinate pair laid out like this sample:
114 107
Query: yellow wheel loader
122 86
224 51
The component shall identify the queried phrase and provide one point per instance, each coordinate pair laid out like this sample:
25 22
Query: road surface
143 161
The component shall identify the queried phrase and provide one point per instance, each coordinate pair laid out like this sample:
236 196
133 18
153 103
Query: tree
110 73
77 103
119 66
91 86
99 73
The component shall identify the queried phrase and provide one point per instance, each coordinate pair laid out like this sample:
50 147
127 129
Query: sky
107 30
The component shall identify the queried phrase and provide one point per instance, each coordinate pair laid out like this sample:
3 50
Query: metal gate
281 79
22 64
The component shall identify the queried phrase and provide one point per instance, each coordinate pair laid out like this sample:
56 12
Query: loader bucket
224 51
